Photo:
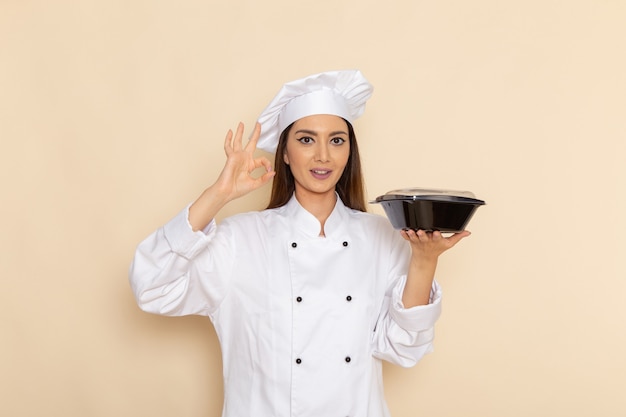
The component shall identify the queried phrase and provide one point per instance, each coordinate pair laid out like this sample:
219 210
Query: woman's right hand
235 180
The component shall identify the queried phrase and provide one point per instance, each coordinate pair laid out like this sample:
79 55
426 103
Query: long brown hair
350 186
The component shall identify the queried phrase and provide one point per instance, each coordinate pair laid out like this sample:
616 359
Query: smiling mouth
321 173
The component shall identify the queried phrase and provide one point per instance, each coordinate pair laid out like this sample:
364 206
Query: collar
307 223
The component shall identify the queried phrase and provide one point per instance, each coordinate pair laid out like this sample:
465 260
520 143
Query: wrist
424 260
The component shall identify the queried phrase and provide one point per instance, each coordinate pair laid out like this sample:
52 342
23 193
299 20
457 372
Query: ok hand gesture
235 179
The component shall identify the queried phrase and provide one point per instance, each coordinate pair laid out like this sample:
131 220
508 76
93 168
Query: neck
319 205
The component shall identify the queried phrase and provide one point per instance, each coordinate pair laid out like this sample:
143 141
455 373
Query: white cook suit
303 320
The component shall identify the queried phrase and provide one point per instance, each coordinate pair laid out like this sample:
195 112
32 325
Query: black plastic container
429 209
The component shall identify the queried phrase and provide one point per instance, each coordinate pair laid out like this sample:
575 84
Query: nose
322 153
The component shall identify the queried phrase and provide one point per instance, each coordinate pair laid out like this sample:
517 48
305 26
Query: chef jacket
303 320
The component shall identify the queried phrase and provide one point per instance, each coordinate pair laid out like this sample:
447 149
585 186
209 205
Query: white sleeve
404 335
175 272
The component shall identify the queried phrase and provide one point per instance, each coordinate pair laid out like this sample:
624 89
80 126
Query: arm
172 267
403 336
234 181
405 329
425 251
173 272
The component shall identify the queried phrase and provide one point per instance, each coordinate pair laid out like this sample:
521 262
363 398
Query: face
317 152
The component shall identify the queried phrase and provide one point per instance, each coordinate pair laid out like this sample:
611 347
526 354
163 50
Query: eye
337 141
305 140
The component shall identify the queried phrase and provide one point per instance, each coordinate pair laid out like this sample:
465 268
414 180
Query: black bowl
429 209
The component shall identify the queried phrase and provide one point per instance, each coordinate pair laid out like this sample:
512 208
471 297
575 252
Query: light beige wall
112 115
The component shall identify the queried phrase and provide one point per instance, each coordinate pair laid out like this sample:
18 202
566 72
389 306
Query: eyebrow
314 133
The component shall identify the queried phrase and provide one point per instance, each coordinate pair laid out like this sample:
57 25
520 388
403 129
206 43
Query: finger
228 145
263 162
254 137
436 235
404 234
455 238
265 178
237 143
413 235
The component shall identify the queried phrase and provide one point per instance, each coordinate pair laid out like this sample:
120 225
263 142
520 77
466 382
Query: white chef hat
340 93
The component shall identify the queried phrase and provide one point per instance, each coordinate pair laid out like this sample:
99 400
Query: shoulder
370 219
254 219
371 225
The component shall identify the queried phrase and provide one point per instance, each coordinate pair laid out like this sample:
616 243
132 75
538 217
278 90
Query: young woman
308 296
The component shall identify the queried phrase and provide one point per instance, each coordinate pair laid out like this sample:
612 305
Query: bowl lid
432 194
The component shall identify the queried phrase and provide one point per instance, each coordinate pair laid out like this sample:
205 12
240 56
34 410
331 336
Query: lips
320 174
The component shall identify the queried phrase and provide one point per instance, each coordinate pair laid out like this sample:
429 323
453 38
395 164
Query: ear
286 158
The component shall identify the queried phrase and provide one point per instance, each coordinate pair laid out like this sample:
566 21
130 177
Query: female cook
308 296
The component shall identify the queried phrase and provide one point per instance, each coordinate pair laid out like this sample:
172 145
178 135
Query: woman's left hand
429 245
